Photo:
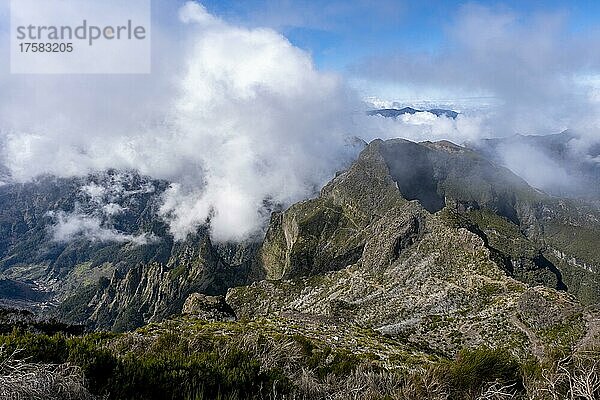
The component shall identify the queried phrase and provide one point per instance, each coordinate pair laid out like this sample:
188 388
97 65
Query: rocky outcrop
149 293
209 308
444 280
329 233
410 235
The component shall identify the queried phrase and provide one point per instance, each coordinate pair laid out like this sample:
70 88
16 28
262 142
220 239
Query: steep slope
465 275
526 230
146 293
96 248
96 251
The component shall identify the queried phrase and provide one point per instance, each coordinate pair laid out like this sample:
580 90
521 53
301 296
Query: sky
342 35
252 103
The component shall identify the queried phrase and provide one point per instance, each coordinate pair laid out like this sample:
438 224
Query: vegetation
465 296
233 361
20 379
168 370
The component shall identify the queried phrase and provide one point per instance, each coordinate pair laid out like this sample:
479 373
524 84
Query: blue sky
347 36
529 55
340 33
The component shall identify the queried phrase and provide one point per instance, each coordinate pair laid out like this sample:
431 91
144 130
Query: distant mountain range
394 113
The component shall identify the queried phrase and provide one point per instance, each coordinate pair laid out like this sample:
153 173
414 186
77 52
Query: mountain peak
395 113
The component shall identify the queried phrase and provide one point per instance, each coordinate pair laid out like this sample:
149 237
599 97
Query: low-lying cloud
423 126
76 225
541 71
246 121
238 119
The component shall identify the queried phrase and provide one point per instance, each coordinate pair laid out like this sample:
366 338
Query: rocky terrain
432 243
433 229
94 250
415 254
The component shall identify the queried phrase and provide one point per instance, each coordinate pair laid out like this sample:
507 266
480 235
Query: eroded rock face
440 280
210 308
150 293
414 239
329 233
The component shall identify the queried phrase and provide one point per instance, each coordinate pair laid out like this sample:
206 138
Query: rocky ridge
366 253
424 241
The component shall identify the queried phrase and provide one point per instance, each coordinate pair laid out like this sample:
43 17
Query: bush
24 380
166 364
472 369
167 370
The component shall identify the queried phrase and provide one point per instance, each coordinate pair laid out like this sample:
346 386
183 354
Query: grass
473 368
187 359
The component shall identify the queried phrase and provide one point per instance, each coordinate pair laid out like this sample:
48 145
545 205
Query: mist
538 72
239 119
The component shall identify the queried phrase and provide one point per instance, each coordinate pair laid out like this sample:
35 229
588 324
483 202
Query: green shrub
471 369
165 370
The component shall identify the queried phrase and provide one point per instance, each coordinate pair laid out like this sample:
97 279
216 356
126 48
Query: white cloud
111 209
525 161
236 117
539 69
94 191
423 126
259 121
69 226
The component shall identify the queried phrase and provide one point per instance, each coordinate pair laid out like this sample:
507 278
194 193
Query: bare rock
210 308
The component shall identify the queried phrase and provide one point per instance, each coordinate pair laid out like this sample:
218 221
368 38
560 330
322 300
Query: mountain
394 113
424 270
425 241
123 269
94 250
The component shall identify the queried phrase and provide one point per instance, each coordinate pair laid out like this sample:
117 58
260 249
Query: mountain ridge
120 285
397 112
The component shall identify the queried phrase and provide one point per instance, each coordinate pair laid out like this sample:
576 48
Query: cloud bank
238 119
541 73
70 226
423 126
537 67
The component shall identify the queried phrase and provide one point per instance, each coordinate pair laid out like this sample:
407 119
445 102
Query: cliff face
328 233
94 250
150 293
417 240
520 226
378 258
